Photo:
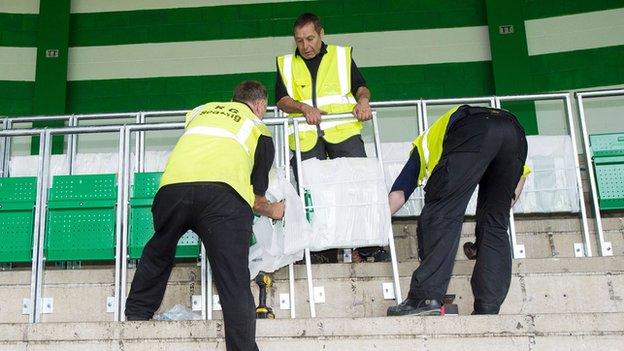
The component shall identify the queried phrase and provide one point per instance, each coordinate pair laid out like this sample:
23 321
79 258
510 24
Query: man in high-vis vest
323 79
215 178
465 147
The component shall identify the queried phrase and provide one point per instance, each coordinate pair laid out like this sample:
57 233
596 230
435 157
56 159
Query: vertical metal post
577 166
291 267
119 224
6 150
43 177
425 115
207 287
3 142
141 137
517 251
123 281
39 207
421 129
300 186
393 255
603 246
137 143
72 145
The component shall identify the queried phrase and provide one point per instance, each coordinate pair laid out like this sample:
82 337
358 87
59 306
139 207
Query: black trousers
488 148
223 222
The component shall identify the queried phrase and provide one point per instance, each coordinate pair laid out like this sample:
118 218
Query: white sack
350 202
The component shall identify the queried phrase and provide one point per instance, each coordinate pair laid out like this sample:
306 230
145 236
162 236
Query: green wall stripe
551 8
578 69
16 98
386 83
19 30
51 73
269 20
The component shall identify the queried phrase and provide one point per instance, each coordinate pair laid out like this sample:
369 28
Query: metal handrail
603 246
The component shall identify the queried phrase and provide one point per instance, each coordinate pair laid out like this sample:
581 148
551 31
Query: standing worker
216 174
323 79
465 147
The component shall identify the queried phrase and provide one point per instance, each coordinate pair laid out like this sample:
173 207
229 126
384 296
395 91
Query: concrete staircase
555 302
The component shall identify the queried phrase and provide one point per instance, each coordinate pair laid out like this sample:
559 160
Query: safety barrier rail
604 246
125 131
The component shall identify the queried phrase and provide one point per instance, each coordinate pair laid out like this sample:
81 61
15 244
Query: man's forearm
290 105
363 94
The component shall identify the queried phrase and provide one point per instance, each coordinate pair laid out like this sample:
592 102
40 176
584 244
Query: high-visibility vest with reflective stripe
218 145
333 94
430 143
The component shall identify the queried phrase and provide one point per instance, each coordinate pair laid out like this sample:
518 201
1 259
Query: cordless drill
263 311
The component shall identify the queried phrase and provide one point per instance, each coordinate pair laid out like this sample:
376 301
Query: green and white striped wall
168 54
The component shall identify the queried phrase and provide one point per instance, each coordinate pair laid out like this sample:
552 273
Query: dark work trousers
488 149
352 147
223 222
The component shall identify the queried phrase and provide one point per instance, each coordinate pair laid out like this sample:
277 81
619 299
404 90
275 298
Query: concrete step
542 237
553 285
574 331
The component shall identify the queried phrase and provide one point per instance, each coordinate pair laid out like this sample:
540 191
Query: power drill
263 311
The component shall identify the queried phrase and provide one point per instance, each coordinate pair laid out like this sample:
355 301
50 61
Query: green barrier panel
81 218
141 222
17 213
608 156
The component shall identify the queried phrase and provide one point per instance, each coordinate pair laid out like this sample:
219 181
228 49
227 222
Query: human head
254 94
308 32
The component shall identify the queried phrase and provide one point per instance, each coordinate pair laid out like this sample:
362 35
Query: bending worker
466 147
215 175
323 79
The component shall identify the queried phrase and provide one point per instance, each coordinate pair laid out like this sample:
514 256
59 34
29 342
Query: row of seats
80 218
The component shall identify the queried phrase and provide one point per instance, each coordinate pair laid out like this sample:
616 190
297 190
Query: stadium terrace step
542 237
568 331
552 285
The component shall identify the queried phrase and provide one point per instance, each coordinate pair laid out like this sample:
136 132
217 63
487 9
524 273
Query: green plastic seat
81 218
608 156
17 213
141 221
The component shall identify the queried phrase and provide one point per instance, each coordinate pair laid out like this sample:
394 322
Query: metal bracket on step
347 256
319 294
388 291
111 304
25 306
284 301
48 305
607 249
216 305
196 302
579 250
519 251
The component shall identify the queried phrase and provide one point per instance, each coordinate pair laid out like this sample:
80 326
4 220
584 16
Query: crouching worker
215 178
466 147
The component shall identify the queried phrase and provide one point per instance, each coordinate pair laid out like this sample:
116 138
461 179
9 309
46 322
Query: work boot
424 307
470 250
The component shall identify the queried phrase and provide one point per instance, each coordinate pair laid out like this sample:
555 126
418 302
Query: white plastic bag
178 313
279 243
350 202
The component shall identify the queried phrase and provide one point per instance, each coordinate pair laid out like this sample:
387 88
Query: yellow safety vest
333 94
218 145
429 146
